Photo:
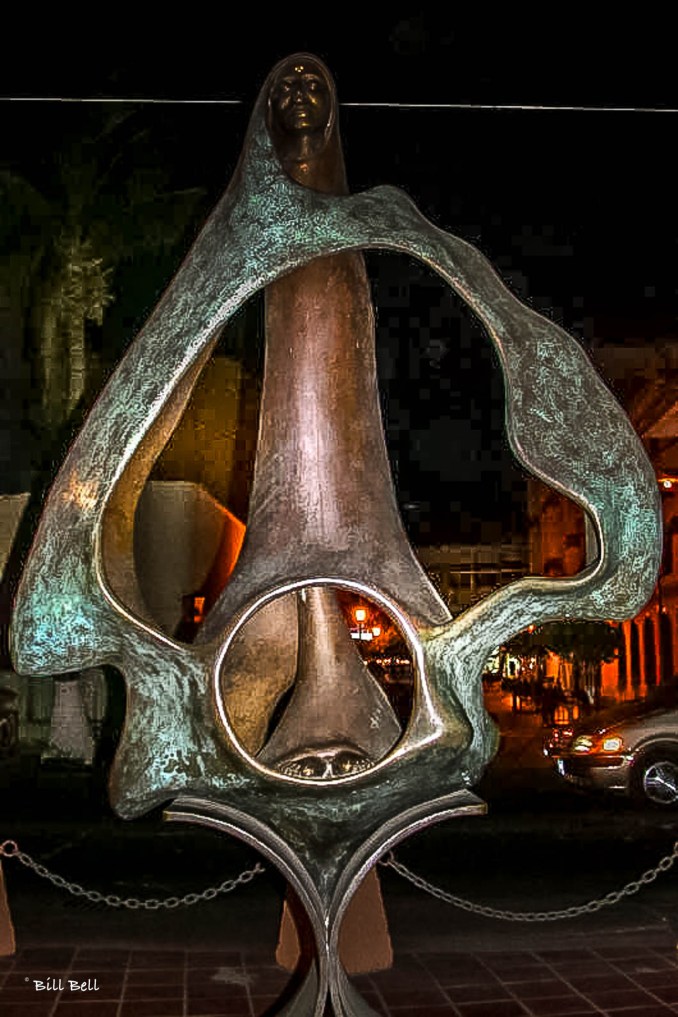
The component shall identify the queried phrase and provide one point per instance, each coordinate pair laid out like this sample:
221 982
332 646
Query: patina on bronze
71 612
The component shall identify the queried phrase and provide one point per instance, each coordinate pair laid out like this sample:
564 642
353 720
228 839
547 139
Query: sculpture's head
302 121
300 99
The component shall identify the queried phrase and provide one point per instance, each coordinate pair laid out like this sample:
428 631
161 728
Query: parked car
631 749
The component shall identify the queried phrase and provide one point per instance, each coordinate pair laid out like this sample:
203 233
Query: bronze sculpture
78 603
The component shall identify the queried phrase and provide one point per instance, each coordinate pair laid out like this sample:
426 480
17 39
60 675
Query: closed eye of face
307 83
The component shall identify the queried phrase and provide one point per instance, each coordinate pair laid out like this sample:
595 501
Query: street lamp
360 616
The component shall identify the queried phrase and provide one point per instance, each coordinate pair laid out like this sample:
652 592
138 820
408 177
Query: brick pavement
613 980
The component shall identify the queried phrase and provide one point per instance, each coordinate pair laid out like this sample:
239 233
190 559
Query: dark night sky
576 210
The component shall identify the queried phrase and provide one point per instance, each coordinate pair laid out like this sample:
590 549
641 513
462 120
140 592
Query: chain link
575 911
10 849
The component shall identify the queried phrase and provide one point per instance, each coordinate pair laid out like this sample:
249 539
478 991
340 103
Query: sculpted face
301 99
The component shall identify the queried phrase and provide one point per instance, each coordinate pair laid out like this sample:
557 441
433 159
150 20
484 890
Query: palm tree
67 226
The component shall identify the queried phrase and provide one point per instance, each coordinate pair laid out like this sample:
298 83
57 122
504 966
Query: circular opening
318 683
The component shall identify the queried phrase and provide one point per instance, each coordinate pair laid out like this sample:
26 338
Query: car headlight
588 743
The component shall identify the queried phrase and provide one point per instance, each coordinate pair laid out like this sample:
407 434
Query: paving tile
414 997
157 959
668 950
593 983
86 1008
643 1011
472 976
271 969
540 989
152 1008
560 1005
564 955
426 1011
404 968
622 951
617 999
595 966
219 959
504 1008
526 973
454 956
153 992
221 992
156 976
505 961
653 979
646 963
216 1006
392 985
41 1009
264 1004
88 957
477 993
265 984
218 991
454 969
235 979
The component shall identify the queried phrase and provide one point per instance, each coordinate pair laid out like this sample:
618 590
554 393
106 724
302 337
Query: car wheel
655 779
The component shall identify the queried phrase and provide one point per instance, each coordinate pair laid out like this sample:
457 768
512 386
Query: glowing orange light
360 615
198 609
376 631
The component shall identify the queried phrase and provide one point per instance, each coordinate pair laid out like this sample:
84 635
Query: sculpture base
7 942
364 940
321 976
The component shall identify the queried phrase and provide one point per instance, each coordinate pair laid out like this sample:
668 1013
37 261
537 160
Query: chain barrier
10 849
575 911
